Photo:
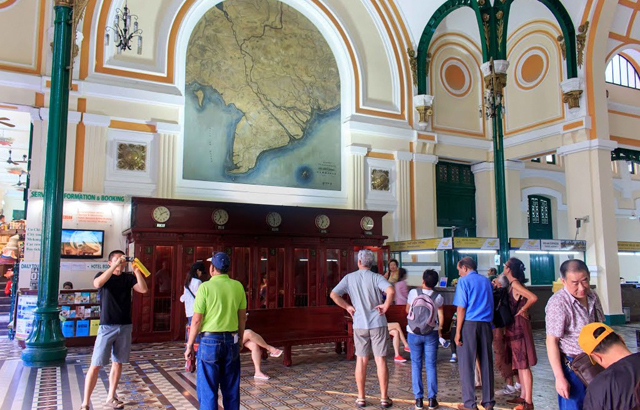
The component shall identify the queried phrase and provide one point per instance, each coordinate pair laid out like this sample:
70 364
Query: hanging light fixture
125 32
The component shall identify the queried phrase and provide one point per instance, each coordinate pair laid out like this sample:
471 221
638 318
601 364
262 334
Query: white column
95 152
426 217
590 194
167 161
403 194
356 176
516 220
38 149
72 122
486 224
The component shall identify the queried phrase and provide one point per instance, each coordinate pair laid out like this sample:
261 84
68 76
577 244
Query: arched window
621 72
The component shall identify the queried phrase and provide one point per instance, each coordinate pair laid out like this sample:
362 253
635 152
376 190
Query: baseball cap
587 341
220 261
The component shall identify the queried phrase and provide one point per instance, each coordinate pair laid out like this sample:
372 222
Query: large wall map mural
262 99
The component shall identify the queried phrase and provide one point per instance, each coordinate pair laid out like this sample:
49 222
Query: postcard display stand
79 316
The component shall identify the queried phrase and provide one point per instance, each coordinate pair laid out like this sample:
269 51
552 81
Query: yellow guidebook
136 263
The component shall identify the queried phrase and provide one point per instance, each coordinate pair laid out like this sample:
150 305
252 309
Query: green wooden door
540 227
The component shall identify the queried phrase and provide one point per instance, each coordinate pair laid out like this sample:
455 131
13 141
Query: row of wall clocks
220 217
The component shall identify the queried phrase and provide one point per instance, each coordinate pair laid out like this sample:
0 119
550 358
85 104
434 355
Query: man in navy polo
474 299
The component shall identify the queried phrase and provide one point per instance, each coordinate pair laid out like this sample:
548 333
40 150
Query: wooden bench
397 313
288 327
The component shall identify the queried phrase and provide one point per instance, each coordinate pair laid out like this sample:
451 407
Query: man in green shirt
219 312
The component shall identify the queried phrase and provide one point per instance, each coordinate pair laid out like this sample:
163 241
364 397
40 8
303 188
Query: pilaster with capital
590 194
356 174
403 214
95 152
167 168
426 221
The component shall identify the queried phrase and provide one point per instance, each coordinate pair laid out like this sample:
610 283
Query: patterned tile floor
319 379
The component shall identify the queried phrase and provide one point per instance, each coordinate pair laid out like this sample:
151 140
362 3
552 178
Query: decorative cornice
403 156
588 145
482 167
96 120
476 143
425 158
73 118
167 127
514 165
357 150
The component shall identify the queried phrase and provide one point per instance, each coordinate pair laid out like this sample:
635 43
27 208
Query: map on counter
262 99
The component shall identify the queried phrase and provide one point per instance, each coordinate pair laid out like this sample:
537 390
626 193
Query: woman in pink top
402 290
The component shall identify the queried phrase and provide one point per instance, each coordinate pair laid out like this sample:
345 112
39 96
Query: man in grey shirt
370 332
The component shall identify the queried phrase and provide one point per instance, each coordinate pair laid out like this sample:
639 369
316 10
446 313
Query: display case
79 315
284 256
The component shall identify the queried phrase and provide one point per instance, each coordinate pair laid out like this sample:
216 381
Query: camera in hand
129 258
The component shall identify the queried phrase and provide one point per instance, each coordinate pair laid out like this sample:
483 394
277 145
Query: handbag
583 367
190 365
586 371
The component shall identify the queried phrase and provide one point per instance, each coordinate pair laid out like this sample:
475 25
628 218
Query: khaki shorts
374 340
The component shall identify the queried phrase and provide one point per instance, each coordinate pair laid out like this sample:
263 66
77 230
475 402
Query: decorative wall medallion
532 68
132 157
455 77
380 179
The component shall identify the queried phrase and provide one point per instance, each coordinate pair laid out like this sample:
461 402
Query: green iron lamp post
45 345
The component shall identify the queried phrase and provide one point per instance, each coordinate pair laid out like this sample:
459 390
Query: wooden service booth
285 256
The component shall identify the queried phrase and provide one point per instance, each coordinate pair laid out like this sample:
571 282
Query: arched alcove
264 102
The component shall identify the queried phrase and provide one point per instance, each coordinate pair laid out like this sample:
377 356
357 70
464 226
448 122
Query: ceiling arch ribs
493 24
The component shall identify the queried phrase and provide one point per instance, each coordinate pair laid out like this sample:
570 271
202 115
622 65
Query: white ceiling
15 139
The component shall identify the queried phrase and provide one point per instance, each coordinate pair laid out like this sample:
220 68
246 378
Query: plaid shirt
565 317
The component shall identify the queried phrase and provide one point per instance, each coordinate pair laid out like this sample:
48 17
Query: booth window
621 71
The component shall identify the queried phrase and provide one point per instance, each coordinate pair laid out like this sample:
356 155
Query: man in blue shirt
474 299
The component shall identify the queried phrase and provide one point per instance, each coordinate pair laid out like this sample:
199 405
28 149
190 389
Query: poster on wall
24 317
262 99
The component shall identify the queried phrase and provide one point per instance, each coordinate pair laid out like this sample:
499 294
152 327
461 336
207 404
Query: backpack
423 314
502 314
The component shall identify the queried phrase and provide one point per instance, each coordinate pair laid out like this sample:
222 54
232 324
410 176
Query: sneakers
517 386
406 349
444 342
419 404
507 391
399 359
454 358
433 403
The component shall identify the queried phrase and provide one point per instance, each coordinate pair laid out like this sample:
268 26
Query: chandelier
124 33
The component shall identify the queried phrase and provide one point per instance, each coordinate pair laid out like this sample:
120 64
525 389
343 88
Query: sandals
84 407
386 403
360 403
115 404
277 353
524 406
517 400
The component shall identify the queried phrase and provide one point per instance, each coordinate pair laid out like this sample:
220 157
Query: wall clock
220 217
161 214
366 223
274 219
322 221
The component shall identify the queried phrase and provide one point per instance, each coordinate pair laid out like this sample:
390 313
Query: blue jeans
577 390
424 349
218 367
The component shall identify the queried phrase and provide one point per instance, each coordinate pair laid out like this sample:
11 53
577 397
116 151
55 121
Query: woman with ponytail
519 335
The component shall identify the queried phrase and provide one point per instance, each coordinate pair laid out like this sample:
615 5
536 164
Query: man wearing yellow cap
616 387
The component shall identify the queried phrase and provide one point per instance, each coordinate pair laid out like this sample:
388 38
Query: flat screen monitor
82 244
